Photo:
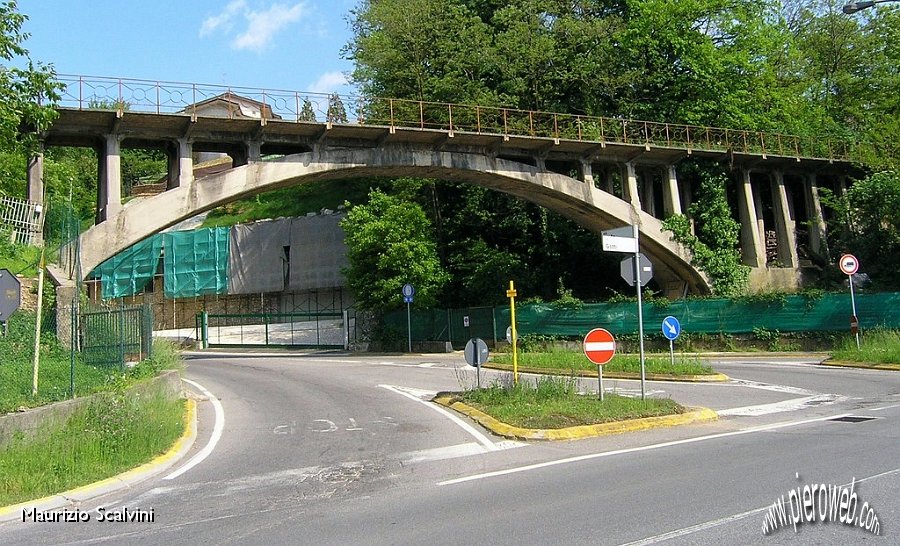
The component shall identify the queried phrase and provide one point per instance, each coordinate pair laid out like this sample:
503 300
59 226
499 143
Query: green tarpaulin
196 262
128 272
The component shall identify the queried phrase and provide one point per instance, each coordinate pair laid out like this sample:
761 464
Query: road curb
694 415
861 365
115 483
709 378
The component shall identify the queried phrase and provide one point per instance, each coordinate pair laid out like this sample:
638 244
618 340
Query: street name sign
620 240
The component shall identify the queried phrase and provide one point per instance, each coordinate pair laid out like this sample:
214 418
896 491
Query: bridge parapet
162 97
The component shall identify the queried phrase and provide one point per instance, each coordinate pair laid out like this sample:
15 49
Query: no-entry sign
599 346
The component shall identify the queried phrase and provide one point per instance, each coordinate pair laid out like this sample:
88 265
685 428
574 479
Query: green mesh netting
831 312
196 262
128 272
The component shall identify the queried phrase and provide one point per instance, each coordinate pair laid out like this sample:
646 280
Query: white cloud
263 25
223 20
328 82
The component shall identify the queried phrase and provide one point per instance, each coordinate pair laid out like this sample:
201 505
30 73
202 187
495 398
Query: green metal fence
113 336
311 330
796 313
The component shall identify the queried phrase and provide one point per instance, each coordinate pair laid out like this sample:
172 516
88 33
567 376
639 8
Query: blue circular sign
408 291
671 328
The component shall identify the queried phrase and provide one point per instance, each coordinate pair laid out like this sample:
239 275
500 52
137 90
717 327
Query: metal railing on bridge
163 97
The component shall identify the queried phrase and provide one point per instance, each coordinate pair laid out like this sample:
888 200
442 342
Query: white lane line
787 405
775 388
885 407
482 439
580 458
728 519
213 440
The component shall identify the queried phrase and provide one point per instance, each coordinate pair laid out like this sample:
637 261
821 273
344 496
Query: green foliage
307 113
715 247
877 347
336 112
389 245
27 94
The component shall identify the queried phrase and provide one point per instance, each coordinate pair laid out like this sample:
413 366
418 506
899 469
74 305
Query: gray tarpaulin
258 258
318 252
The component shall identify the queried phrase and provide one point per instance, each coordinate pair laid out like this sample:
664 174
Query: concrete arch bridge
600 172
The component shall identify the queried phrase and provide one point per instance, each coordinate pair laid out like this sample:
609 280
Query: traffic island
687 378
682 416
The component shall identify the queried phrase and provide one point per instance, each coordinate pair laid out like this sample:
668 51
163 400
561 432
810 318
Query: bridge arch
581 202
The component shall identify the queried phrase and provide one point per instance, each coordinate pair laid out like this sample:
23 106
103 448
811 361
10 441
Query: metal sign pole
477 364
600 377
853 306
637 283
408 327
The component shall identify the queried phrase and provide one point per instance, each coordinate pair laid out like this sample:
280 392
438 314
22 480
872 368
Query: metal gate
114 336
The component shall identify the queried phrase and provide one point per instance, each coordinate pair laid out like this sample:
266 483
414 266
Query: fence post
121 313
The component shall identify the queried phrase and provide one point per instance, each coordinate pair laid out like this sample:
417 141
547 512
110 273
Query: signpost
849 266
408 292
620 240
599 347
511 294
476 353
671 328
10 296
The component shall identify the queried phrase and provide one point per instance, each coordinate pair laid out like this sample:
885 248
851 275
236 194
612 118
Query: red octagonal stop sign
599 346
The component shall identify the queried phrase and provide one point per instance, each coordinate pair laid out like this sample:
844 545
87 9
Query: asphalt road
342 449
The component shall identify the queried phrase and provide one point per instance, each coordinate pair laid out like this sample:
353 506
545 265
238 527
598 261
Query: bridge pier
752 250
671 197
785 227
109 179
814 213
180 164
630 186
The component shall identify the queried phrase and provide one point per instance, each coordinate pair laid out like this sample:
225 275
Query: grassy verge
571 361
554 402
116 432
876 347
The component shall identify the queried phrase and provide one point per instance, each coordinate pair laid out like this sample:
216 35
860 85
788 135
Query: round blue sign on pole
671 328
408 291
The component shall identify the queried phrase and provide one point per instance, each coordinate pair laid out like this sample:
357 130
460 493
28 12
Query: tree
715 247
389 244
27 94
336 112
307 113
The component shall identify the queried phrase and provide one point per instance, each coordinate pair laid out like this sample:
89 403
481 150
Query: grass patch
571 361
117 431
554 402
876 347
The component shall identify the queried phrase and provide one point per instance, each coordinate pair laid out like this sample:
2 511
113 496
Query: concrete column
35 177
671 199
753 250
815 215
784 222
630 186
587 173
253 150
181 165
647 198
608 185
109 183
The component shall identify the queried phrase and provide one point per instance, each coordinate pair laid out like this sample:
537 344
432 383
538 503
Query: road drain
853 419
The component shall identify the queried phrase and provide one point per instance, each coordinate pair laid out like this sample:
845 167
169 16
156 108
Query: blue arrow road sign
671 328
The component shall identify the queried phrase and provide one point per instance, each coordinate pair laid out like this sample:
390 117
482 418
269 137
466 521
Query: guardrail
162 97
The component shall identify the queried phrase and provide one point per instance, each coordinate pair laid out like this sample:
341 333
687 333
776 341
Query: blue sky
272 44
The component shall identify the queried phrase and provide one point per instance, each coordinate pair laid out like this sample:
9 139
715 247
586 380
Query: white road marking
415 394
592 456
213 440
728 519
885 407
787 405
452 452
775 388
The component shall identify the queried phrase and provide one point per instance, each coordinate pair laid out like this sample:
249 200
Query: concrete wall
31 421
